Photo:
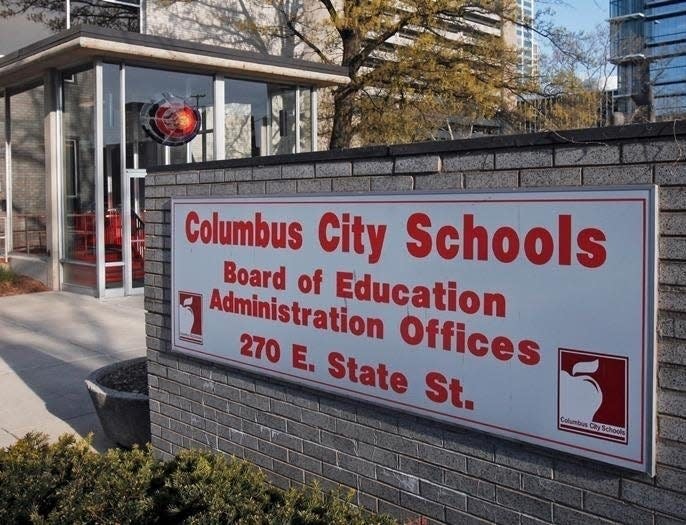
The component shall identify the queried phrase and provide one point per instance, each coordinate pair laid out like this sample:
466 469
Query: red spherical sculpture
171 121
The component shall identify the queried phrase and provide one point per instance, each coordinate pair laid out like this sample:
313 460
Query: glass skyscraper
648 44
526 39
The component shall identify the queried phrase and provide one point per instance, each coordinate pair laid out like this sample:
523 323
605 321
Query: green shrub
312 506
203 488
67 483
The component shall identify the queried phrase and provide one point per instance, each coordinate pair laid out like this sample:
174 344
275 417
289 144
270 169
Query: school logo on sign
189 316
592 394
171 121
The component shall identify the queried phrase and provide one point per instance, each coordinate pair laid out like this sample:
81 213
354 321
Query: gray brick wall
402 464
28 172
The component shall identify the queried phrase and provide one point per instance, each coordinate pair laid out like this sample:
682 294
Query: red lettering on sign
540 244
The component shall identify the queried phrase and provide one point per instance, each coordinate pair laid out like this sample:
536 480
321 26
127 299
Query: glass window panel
667 70
282 119
114 276
79 274
122 14
78 104
144 86
246 119
669 107
666 9
28 173
678 88
137 203
666 29
305 119
112 172
178 155
202 147
625 7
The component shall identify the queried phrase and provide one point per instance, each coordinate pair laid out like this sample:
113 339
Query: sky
577 15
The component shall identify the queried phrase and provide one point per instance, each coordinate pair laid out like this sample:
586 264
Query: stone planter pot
124 416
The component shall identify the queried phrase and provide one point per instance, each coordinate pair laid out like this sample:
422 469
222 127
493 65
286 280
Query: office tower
526 39
648 45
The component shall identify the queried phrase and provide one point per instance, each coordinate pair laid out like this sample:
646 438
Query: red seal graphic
189 317
171 121
593 394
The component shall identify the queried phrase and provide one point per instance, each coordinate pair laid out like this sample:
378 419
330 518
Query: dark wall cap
368 152
577 137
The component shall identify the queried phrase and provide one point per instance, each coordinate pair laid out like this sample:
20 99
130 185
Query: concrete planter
124 416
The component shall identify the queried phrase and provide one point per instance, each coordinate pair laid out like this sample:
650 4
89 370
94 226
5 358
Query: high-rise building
526 39
648 44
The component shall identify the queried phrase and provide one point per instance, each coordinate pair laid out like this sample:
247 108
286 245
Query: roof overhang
85 44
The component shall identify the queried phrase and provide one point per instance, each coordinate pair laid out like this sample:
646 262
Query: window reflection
144 86
123 15
78 105
246 119
28 173
261 119
282 133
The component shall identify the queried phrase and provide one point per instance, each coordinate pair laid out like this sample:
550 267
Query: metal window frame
99 180
9 230
124 190
219 118
314 117
297 119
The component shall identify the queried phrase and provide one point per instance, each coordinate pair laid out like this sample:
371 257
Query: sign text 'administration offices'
527 315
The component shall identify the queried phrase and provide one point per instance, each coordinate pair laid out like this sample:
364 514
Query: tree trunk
343 109
344 96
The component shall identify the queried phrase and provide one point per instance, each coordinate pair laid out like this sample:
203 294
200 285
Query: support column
53 171
8 178
218 124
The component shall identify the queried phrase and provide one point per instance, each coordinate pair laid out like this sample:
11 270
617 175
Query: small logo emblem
592 394
189 317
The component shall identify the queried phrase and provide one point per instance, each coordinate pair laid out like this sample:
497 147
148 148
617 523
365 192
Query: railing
137 235
29 234
81 232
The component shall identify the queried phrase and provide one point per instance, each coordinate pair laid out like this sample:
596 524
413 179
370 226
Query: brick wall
28 172
401 464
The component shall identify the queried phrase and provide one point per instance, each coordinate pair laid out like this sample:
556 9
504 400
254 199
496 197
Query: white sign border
650 292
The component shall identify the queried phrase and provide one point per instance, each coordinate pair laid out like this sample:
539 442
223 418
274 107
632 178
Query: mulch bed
20 284
130 378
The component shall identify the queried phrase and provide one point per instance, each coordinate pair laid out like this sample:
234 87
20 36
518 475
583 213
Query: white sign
530 315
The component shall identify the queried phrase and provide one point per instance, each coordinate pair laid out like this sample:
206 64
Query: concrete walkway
49 343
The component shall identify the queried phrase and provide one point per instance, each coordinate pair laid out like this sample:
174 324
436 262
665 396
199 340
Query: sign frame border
650 289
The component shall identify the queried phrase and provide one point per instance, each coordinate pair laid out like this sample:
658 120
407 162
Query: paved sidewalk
49 343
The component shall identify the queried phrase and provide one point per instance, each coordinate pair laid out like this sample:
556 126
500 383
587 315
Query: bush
67 483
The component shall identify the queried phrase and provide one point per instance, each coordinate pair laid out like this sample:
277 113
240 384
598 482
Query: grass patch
12 283
7 275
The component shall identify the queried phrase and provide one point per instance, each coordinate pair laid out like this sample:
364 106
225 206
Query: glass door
134 231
